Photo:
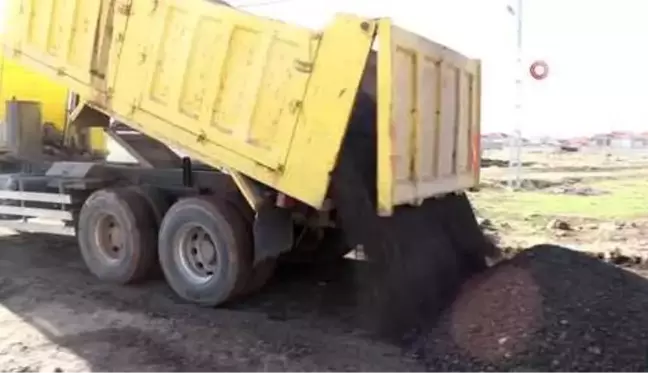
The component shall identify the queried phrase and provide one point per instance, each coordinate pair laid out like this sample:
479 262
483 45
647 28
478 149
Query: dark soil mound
547 309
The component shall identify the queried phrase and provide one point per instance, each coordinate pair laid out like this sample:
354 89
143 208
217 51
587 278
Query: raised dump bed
262 97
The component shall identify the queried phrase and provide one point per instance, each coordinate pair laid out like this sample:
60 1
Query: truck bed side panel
229 77
75 39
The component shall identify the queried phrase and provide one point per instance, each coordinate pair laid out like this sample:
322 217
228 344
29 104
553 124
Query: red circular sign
539 70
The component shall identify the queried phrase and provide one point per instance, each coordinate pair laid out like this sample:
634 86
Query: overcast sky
598 73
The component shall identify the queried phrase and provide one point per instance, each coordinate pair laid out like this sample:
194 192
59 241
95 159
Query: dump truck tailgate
428 119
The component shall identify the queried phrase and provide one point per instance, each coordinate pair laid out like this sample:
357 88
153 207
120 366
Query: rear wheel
117 236
158 200
262 272
205 250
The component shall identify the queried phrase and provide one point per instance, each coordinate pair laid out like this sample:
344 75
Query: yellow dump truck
299 143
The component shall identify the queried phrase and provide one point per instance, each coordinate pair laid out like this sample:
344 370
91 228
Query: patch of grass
626 199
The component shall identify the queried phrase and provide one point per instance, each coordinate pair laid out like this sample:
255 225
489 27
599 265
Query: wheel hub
198 254
109 236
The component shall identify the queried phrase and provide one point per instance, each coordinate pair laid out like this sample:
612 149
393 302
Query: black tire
159 202
262 272
157 199
106 212
221 223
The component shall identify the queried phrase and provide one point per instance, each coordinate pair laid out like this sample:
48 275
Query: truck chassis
194 222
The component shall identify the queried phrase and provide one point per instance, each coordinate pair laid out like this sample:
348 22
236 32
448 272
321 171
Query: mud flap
273 232
419 256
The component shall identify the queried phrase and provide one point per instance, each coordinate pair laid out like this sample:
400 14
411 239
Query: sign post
539 70
515 156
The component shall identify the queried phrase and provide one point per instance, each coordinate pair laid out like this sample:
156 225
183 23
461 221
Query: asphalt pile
546 309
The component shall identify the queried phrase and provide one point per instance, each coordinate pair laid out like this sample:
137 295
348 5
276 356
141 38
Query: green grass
626 199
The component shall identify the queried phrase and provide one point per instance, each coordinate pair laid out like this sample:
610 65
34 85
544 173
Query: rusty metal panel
428 99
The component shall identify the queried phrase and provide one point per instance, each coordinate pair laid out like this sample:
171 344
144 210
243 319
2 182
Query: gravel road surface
55 316
548 308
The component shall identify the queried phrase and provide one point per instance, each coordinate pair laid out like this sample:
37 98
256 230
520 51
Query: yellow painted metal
22 83
428 119
73 40
262 97
237 79
98 141
25 83
24 78
268 99
252 194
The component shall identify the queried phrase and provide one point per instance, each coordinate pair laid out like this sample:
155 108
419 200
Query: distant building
600 140
620 140
494 141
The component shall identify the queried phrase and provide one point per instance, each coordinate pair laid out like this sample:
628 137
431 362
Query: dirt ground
54 316
594 201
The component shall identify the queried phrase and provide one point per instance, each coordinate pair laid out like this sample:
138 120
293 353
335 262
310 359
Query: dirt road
546 309
54 316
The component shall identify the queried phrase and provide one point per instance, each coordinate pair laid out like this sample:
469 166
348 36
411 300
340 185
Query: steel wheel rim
196 253
109 238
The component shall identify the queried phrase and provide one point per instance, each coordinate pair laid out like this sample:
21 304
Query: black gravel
547 309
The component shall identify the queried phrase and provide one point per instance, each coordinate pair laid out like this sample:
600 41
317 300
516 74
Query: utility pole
515 163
